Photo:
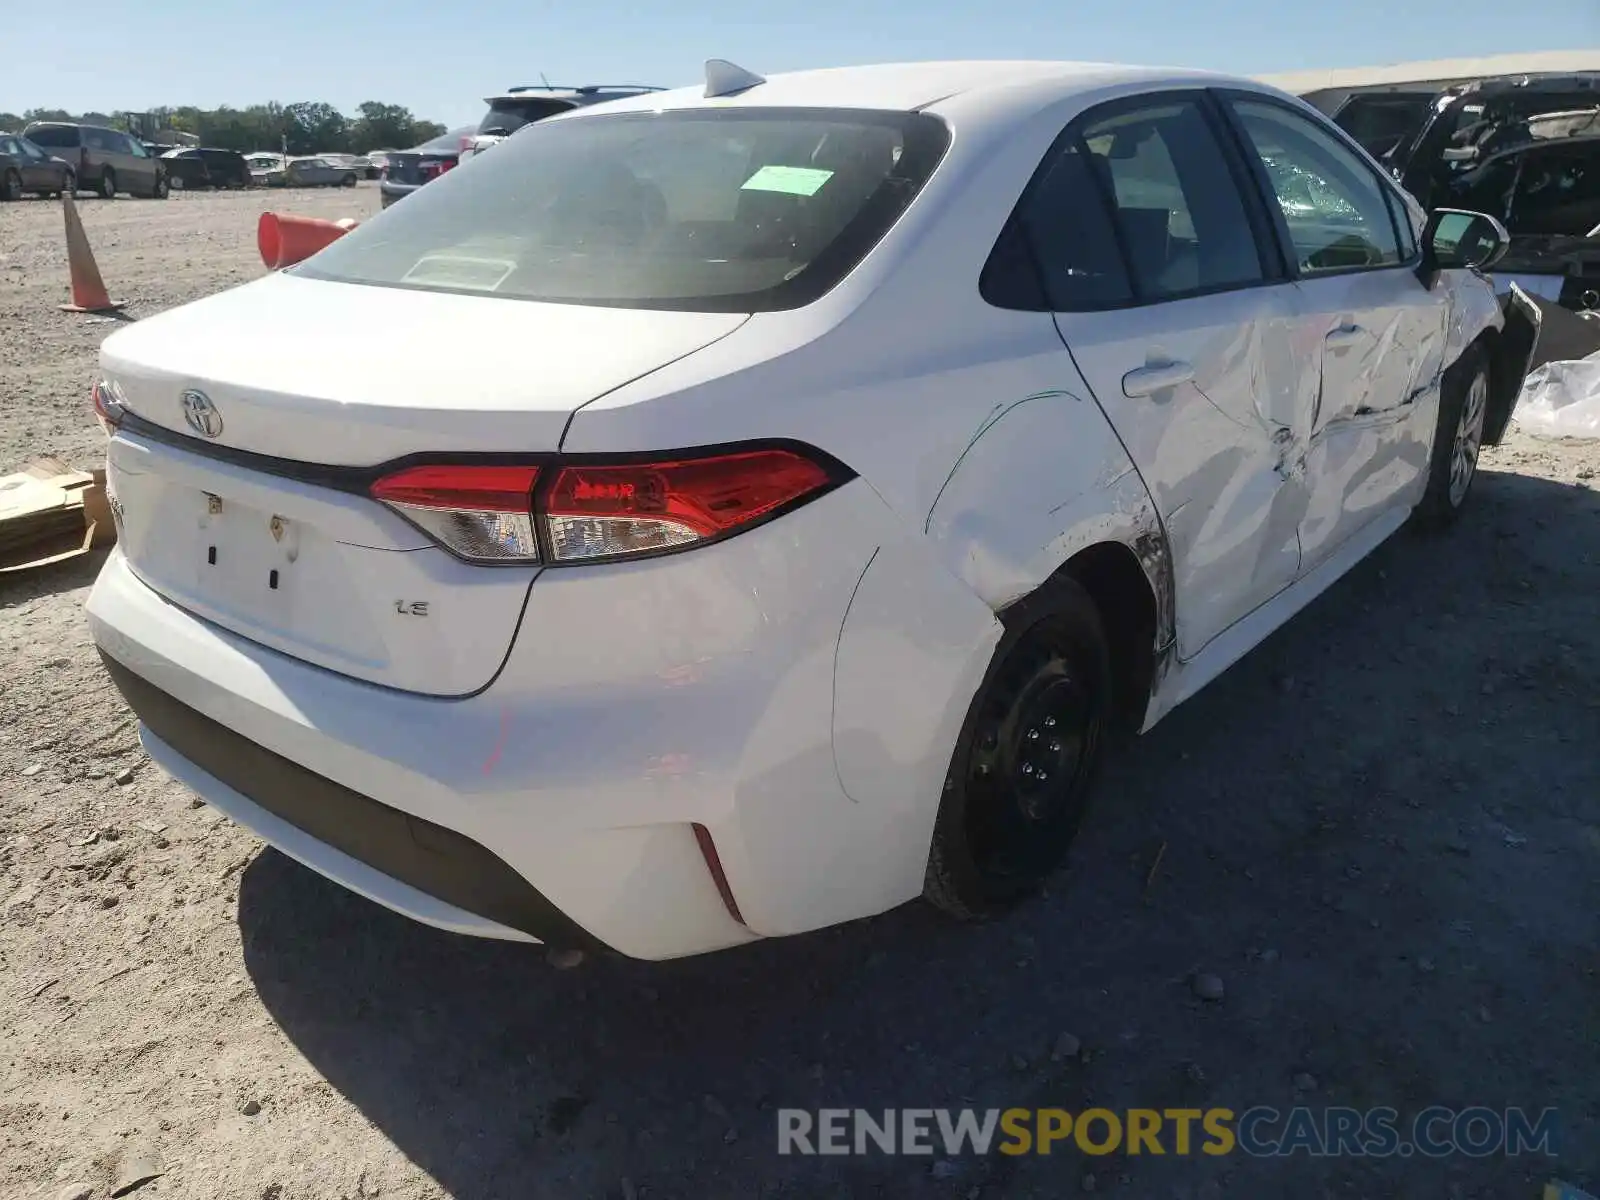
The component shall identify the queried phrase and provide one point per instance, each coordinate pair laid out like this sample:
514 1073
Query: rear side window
1336 211
1060 250
1181 221
721 210
59 136
508 116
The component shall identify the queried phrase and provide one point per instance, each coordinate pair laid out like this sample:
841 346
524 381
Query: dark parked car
405 171
26 168
1525 149
206 168
107 161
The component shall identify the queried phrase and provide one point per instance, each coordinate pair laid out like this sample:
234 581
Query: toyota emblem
200 414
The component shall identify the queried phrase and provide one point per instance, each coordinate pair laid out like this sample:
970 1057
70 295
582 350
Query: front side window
700 210
1336 211
133 146
1180 218
12 147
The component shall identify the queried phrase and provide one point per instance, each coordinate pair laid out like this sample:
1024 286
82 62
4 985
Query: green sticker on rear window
795 181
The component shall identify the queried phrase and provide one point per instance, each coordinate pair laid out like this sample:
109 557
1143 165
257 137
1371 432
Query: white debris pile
1562 399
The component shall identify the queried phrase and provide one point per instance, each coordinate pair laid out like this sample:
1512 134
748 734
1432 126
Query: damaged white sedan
832 464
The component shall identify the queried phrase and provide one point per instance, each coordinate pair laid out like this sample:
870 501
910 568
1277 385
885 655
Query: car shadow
19 587
1399 764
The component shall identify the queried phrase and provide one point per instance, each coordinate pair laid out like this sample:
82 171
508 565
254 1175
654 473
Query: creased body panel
1218 449
1379 348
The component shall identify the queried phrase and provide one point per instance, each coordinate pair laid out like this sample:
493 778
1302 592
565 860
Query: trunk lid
419 166
353 375
309 373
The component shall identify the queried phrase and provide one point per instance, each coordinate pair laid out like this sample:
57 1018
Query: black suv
202 167
407 170
107 161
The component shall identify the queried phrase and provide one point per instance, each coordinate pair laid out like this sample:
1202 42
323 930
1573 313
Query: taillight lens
607 511
600 511
108 404
483 514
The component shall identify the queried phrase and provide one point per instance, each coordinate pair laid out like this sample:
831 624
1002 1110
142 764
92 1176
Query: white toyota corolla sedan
746 508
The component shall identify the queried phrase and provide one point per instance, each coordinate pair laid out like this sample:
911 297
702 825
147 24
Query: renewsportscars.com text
1260 1131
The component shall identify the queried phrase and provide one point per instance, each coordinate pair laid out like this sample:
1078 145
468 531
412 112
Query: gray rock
137 1163
250 1107
124 776
30 772
1067 1046
1207 986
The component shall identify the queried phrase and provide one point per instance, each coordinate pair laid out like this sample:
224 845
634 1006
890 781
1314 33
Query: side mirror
1456 239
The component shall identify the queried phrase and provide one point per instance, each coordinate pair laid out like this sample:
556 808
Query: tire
163 187
69 184
108 184
1457 440
1025 763
10 186
348 181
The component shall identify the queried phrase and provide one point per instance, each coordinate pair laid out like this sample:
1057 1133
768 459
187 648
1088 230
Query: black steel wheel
1024 767
10 186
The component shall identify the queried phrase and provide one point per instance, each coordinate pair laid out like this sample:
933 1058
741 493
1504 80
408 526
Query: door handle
1143 381
1345 335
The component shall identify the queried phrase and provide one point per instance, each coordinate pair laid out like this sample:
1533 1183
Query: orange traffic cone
88 289
285 240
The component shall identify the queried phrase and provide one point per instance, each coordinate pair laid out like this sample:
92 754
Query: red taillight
599 511
108 404
479 513
604 511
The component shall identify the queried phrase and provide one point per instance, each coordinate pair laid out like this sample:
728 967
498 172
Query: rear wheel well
1111 574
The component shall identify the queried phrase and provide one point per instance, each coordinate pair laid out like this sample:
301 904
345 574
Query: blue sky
438 58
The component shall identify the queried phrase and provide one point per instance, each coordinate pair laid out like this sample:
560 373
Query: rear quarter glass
742 210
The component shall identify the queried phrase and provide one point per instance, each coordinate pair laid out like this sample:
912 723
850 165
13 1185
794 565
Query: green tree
11 122
312 127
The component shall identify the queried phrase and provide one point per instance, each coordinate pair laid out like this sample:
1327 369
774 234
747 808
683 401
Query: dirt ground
1381 831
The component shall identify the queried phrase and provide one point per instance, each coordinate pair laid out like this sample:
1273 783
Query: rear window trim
926 135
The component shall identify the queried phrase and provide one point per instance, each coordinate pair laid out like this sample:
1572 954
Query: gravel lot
1381 831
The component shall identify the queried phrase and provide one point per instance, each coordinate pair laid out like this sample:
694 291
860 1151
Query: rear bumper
640 701
389 192
367 846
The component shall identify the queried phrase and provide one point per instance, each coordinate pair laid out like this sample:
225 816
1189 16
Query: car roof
951 85
588 93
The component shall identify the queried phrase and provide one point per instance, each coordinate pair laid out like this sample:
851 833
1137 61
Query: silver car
319 172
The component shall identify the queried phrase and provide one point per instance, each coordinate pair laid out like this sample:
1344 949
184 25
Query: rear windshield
705 210
508 116
54 135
